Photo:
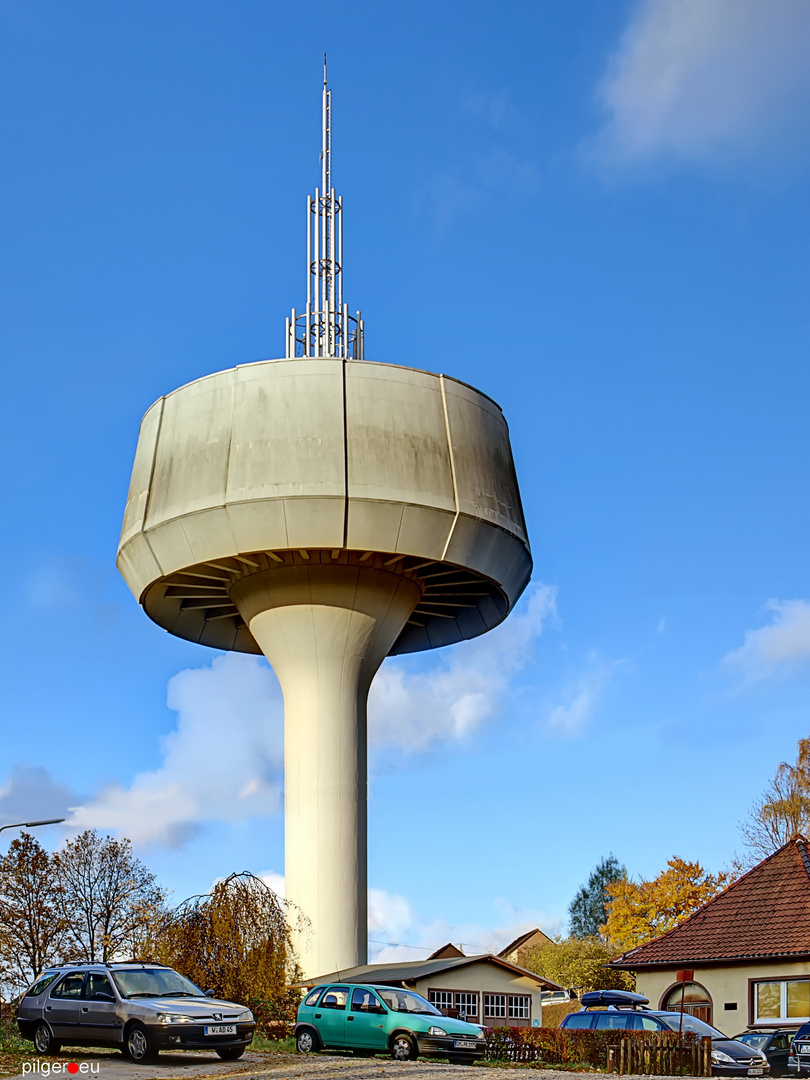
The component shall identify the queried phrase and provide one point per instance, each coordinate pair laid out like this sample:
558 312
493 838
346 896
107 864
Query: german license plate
464 1044
220 1029
755 1072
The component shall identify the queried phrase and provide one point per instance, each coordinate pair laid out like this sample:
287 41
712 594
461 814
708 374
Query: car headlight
246 1014
174 1018
436 1031
719 1058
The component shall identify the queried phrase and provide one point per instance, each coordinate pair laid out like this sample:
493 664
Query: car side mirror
102 995
210 993
377 1009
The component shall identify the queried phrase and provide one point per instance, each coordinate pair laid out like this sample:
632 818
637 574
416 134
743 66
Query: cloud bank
705 80
397 932
31 794
581 697
780 647
464 688
224 760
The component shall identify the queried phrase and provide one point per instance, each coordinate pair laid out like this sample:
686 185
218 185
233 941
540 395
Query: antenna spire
325 328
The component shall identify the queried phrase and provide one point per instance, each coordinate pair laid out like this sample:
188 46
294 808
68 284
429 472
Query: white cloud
222 762
707 79
781 646
31 794
275 882
465 686
389 916
581 698
398 932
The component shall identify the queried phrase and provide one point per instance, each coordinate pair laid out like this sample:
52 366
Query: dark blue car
619 1010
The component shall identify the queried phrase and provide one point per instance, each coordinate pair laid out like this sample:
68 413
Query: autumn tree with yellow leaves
235 941
641 911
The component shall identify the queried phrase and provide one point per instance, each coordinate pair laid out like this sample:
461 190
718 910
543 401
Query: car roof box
613 997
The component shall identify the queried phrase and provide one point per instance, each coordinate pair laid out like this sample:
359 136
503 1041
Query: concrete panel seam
452 466
286 526
163 571
152 471
232 427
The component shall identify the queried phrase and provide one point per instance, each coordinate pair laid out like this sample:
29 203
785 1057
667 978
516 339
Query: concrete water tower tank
327 511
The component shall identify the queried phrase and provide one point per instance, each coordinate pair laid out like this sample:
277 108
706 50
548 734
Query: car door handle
48 1008
350 1018
85 1009
317 1016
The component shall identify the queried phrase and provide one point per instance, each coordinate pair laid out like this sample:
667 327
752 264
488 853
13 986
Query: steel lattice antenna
325 328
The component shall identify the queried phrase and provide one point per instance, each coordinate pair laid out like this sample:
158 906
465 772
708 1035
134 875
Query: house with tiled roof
743 959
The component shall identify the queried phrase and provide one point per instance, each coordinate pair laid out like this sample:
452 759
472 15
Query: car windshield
154 982
753 1038
690 1023
408 1002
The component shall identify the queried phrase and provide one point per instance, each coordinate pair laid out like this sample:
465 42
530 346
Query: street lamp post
31 824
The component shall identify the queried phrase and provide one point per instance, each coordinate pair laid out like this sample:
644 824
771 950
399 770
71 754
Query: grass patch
273 1046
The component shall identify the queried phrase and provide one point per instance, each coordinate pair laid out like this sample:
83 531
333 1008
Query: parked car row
142 1008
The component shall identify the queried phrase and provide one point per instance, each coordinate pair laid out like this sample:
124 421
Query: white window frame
783 1018
491 1003
433 994
519 1007
463 1007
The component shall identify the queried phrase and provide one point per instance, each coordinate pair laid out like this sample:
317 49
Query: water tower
327 511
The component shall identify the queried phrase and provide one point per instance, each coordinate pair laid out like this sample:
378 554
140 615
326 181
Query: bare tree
32 924
109 897
783 810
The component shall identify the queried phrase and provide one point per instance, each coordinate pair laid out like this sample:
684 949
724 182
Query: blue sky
597 214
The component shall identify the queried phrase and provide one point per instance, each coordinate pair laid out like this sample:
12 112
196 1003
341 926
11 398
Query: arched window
696 1000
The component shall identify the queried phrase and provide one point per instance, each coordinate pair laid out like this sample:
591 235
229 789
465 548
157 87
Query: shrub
566 1045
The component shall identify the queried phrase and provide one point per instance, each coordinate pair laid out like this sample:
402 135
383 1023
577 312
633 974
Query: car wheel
231 1053
403 1048
44 1042
307 1042
139 1045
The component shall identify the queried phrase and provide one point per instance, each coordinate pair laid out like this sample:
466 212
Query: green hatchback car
383 1019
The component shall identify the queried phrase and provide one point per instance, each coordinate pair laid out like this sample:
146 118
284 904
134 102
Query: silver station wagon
138 1008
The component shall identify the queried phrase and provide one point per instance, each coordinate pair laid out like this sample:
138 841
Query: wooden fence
660 1055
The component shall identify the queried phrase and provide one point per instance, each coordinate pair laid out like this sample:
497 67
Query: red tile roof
765 913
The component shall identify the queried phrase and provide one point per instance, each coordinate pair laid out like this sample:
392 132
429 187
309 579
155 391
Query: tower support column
325 631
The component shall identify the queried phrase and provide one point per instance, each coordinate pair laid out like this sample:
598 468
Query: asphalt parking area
114 1066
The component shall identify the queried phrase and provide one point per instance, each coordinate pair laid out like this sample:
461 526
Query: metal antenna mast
325 328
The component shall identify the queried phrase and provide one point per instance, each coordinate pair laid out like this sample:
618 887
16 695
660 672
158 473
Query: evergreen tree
589 908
